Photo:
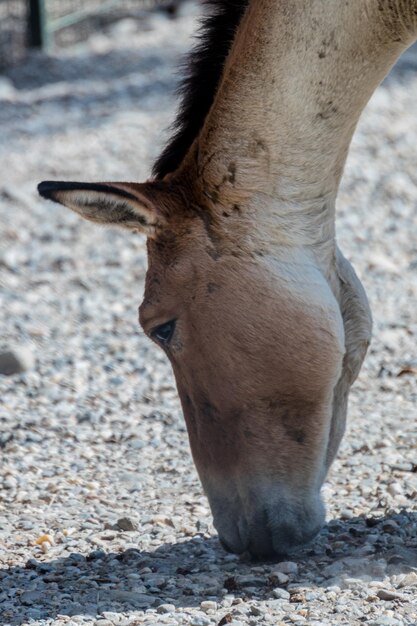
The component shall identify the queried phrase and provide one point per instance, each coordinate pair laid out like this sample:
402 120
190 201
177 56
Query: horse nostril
269 530
272 537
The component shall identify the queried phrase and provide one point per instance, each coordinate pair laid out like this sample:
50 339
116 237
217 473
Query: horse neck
295 82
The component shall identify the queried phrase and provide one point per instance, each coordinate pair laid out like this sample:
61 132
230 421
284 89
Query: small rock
352 582
75 557
110 615
390 527
395 489
125 523
26 524
280 577
282 594
166 608
311 596
208 605
387 594
199 620
286 567
34 613
257 610
134 598
30 597
95 555
402 467
384 620
7 89
275 605
137 444
9 482
249 580
45 546
71 609
334 569
15 361
116 381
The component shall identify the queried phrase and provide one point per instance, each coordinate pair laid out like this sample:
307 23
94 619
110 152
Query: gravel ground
102 518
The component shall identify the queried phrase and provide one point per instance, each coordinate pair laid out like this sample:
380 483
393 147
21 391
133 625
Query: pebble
166 608
34 613
30 597
16 361
208 605
125 523
286 567
390 526
277 605
110 615
385 620
257 610
200 620
387 594
281 593
131 597
281 578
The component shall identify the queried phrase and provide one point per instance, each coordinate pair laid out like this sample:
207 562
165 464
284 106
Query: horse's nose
268 530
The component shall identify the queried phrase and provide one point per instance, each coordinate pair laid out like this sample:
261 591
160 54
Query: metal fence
13 17
45 23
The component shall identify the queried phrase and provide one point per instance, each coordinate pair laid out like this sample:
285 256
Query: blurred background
46 24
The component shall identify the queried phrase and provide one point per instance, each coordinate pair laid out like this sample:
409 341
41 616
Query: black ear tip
46 187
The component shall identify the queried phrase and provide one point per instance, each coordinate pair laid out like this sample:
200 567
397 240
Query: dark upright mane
203 74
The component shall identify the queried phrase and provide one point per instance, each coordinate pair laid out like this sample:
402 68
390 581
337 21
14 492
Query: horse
263 319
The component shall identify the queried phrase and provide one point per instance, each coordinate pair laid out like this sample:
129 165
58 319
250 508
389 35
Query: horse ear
134 206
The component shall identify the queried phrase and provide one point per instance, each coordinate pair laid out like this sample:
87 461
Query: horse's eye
163 333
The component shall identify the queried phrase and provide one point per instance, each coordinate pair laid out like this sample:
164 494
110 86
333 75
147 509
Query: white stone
208 605
282 594
286 567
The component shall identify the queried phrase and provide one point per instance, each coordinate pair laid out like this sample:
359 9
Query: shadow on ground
40 70
56 94
185 574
